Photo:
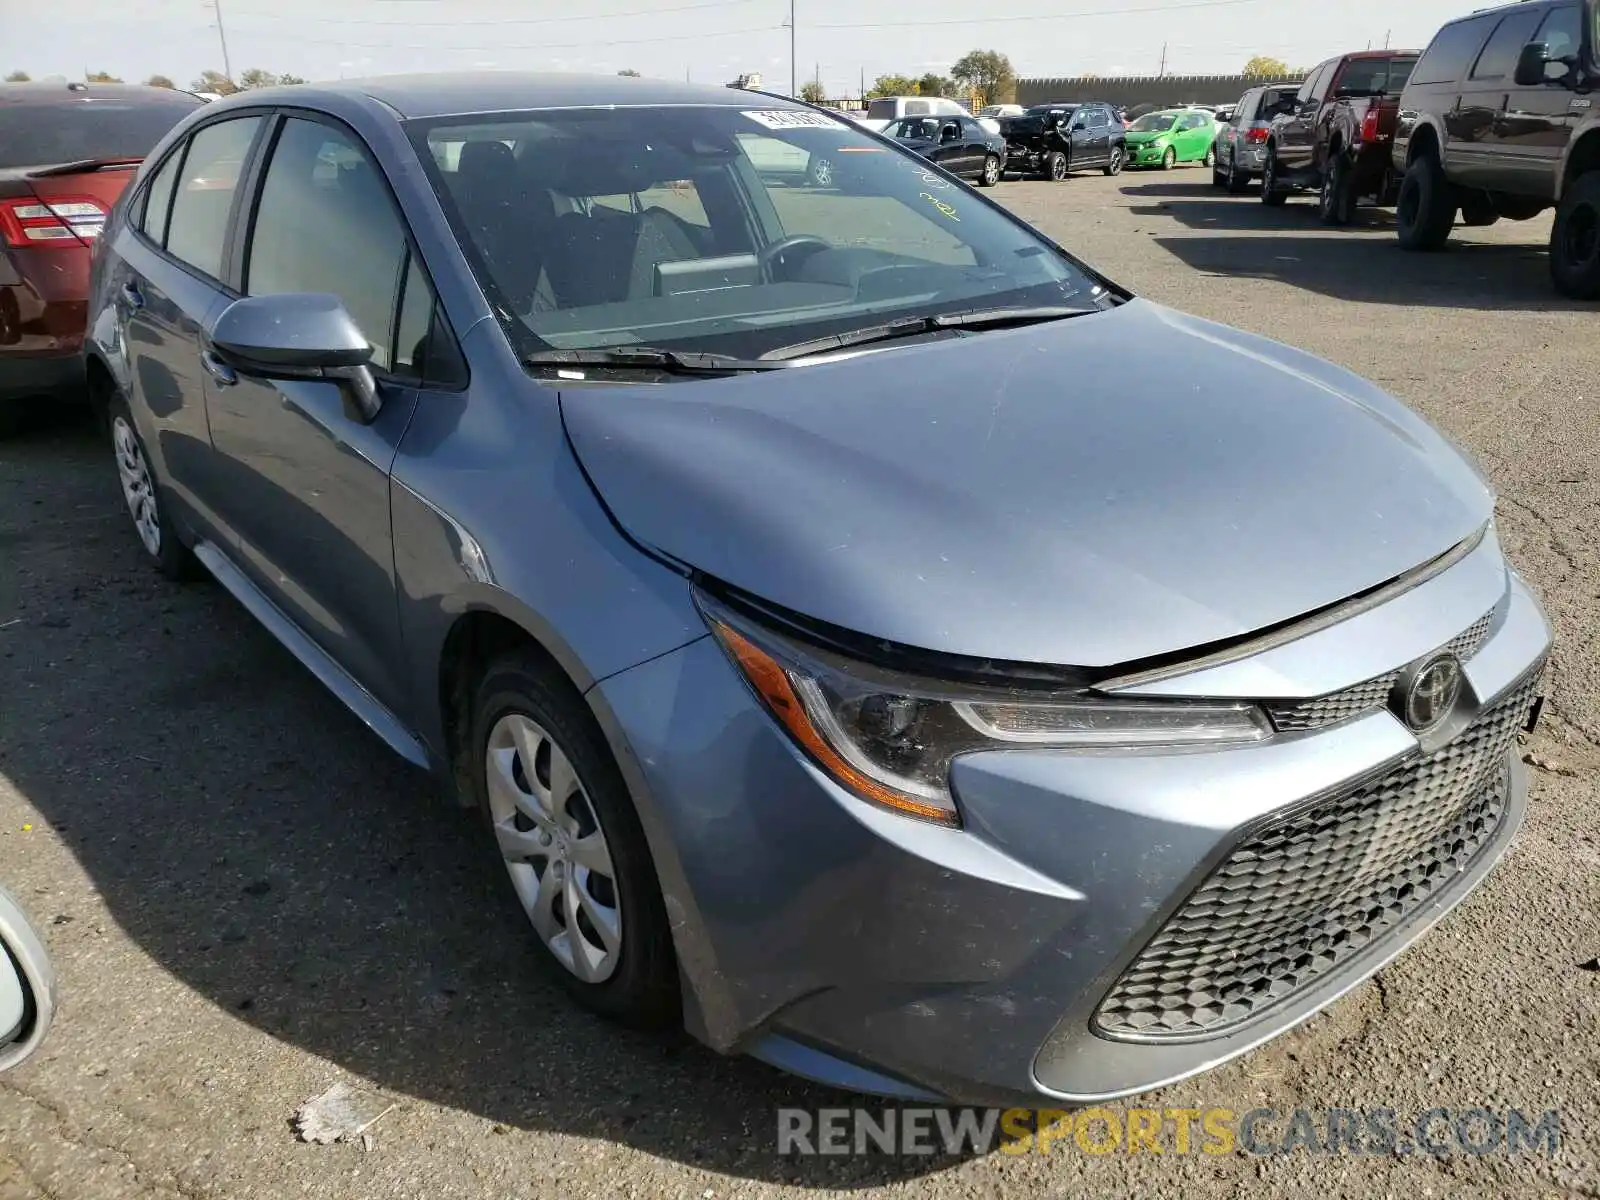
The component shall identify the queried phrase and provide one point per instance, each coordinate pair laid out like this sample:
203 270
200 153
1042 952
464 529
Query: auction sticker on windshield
783 118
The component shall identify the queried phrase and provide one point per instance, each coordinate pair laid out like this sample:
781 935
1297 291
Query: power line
603 16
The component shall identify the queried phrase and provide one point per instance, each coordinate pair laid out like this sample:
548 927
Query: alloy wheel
991 171
1211 156
1169 159
554 848
1058 168
138 488
1115 167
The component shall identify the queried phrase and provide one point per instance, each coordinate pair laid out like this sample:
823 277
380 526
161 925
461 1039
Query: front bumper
1145 154
880 953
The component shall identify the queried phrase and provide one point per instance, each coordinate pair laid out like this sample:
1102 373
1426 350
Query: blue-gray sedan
863 648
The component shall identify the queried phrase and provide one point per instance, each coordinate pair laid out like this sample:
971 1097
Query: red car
66 152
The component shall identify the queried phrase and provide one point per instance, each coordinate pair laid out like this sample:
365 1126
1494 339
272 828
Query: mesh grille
1374 693
1310 891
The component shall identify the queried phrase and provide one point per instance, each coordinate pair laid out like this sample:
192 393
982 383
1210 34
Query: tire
1210 159
1271 195
1169 159
1056 166
523 705
1575 240
1337 202
990 174
142 493
1426 208
1478 210
1237 181
1119 159
820 172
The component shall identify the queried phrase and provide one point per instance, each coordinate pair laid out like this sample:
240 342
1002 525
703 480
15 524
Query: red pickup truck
1334 136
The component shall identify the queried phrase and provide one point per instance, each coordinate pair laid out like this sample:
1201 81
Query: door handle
132 296
217 369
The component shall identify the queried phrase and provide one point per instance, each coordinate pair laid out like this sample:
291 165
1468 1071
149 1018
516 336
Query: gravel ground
248 899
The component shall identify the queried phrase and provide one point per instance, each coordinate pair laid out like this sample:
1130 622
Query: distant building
747 82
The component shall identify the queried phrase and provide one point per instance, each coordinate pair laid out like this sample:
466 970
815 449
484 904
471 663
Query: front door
309 501
1292 135
1533 132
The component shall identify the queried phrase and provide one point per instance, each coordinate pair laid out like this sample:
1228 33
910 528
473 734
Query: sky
707 41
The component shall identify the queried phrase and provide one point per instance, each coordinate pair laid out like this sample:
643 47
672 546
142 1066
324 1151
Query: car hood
1089 492
1149 137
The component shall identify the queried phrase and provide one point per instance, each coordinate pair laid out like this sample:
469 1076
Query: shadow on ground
1361 263
257 842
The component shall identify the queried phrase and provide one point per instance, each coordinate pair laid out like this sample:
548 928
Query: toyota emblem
1431 695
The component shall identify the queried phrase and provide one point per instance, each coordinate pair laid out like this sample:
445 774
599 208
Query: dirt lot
248 899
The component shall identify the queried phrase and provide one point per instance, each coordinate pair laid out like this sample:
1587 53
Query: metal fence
1130 91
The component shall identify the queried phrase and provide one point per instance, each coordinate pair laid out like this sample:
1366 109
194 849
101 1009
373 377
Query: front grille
1370 694
1315 888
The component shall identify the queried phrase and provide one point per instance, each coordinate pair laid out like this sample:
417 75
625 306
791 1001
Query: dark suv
1500 120
1335 134
1050 141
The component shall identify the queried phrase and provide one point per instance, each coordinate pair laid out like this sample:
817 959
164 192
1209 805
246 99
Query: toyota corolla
861 649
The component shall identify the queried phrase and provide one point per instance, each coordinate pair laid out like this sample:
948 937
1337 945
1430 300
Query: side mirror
1534 66
299 335
27 985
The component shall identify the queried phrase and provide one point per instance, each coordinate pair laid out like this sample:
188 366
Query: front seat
510 222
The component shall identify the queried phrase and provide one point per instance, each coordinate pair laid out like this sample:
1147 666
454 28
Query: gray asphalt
248 899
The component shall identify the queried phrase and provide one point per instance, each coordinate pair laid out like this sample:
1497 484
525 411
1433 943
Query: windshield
37 135
1153 123
1376 76
707 228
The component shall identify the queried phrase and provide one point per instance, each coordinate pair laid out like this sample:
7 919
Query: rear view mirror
27 985
299 335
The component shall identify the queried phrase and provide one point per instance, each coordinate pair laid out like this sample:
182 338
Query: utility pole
794 88
222 36
1386 34
863 85
1163 72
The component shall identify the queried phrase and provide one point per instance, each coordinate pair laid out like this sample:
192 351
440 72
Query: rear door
308 494
1098 148
171 258
1487 159
1533 132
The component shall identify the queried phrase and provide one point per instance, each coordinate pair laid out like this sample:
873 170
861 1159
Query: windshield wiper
978 318
649 358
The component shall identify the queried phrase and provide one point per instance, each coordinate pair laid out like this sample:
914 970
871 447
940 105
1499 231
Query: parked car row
1051 141
1495 120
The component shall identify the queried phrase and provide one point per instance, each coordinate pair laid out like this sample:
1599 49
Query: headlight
889 737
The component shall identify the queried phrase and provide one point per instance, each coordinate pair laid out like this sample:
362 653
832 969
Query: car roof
66 93
458 93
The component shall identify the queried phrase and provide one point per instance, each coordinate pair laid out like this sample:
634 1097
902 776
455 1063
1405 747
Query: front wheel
1169 159
144 497
571 843
1055 166
991 172
1114 167
1271 194
1426 208
1575 240
821 172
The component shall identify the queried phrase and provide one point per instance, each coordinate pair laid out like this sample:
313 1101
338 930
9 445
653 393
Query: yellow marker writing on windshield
946 209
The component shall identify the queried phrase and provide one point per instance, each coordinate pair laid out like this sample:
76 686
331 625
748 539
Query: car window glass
1324 80
158 198
1246 111
1375 76
204 195
1098 119
325 223
918 108
1308 88
77 127
1562 31
1499 57
1452 51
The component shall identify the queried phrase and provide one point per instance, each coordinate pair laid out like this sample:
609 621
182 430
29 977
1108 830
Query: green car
1165 139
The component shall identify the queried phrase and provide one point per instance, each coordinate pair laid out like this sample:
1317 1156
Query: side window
918 108
424 348
203 198
325 223
1099 119
158 198
1452 51
1562 31
1499 57
1308 88
1324 80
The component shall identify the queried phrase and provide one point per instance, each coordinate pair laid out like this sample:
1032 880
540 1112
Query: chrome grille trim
1307 892
1296 715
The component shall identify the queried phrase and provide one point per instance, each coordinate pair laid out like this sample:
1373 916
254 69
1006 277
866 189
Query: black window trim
1540 16
182 148
243 226
1484 21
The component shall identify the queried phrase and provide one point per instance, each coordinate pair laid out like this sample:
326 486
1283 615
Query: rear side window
1452 51
204 194
1499 57
918 108
70 130
158 199
1099 119
1562 31
325 223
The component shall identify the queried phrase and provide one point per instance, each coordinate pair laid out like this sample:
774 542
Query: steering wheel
767 260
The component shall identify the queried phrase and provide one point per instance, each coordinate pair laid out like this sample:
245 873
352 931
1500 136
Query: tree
159 81
214 81
988 73
892 85
812 92
933 84
102 77
630 73
18 77
286 79
255 77
1262 64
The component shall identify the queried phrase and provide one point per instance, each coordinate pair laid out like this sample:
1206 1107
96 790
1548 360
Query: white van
887 109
